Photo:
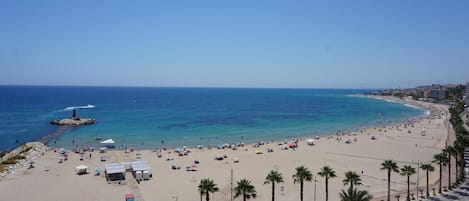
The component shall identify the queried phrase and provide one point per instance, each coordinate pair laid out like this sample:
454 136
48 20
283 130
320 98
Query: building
438 94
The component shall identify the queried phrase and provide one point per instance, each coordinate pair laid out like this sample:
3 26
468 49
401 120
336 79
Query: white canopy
81 167
142 166
113 168
108 141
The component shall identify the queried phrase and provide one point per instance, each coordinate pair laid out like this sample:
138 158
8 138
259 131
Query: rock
74 121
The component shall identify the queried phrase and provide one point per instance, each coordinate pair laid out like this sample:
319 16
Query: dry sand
53 181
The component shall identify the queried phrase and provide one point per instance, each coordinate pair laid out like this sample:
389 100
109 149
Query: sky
242 43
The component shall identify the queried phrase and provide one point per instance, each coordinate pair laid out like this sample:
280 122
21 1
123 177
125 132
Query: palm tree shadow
461 193
451 197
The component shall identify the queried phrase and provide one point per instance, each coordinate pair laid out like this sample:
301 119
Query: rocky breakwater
21 157
73 121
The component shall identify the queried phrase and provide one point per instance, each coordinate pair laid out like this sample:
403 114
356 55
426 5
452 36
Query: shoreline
393 141
307 133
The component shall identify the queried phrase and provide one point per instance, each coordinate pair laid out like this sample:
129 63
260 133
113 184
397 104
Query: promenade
460 193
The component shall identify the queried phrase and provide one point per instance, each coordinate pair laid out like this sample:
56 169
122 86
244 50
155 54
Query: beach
409 142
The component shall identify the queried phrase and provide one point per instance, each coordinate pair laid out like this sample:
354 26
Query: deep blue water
187 116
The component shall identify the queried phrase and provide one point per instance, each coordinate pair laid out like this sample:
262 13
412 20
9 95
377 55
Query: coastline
329 149
296 132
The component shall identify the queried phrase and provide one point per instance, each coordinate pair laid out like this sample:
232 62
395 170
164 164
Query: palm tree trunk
244 197
457 168
449 172
439 189
273 191
207 197
327 189
408 187
461 169
428 192
301 191
351 186
389 185
201 195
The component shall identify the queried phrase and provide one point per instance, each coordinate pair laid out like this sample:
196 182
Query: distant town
437 93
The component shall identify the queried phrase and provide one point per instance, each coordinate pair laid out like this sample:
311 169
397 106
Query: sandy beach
403 143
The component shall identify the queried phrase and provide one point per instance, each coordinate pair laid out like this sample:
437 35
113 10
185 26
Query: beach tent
81 169
109 143
310 142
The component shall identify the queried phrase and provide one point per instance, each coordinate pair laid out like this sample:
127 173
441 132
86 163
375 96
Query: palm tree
390 166
450 150
246 189
461 143
428 168
459 148
206 187
355 195
327 172
441 160
352 178
273 177
407 170
302 174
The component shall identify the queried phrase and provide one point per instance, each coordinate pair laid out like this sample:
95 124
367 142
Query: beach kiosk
109 143
141 170
114 171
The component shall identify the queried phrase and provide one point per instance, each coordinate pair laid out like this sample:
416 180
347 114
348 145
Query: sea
151 117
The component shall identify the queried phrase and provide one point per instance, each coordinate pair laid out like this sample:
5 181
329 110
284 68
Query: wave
79 107
412 106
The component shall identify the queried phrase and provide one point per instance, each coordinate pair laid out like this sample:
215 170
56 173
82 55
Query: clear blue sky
251 43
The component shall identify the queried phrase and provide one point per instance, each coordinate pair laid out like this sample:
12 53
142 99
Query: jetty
74 120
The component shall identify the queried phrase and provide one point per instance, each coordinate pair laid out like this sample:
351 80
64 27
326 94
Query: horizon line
201 87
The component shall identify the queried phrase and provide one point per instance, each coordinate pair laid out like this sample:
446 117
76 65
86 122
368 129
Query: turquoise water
144 117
